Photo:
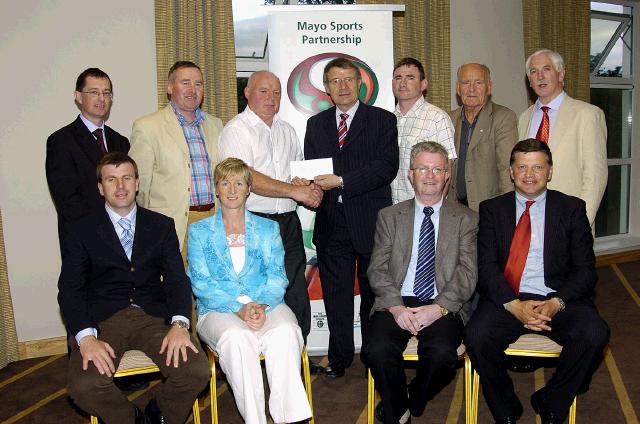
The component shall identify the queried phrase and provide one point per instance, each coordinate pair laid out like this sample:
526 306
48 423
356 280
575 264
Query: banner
302 40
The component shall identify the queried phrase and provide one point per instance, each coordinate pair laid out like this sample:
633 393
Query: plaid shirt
423 122
202 190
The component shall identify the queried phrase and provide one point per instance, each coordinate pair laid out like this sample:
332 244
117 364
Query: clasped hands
415 319
253 314
307 192
175 344
534 314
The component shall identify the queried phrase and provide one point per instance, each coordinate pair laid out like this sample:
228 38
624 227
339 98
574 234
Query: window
612 89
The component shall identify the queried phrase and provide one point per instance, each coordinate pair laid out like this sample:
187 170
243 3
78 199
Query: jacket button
132 269
130 300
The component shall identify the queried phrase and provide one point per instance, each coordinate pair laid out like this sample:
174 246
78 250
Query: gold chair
411 354
213 355
135 362
531 345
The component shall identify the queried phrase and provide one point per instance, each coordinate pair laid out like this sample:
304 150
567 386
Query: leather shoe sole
540 405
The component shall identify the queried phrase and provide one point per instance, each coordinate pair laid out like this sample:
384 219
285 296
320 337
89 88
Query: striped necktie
126 239
342 129
423 285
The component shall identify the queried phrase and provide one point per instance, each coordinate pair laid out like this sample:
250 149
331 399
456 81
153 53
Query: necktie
519 250
126 239
342 129
543 130
426 264
100 141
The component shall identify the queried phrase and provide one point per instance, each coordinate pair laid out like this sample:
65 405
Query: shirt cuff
180 318
86 332
244 299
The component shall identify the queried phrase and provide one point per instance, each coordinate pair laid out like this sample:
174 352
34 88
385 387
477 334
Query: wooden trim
617 258
42 347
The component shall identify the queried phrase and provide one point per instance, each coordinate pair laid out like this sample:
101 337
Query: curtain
563 26
8 336
423 32
200 31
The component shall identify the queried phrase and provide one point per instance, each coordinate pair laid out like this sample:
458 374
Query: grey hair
428 147
485 68
556 59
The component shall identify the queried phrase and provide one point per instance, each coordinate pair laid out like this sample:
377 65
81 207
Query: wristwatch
180 324
444 311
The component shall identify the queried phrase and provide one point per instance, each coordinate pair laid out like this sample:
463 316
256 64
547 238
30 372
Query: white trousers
239 349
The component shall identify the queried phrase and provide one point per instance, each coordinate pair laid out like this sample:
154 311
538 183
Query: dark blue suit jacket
569 261
72 157
367 163
97 280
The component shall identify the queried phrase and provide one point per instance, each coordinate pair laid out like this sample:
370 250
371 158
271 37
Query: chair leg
196 411
475 391
572 411
213 395
371 398
307 380
467 389
94 420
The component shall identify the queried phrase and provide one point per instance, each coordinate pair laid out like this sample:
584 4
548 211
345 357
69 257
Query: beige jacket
159 148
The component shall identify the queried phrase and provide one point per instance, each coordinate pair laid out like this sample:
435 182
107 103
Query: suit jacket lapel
218 237
446 226
483 125
251 242
508 220
174 130
406 218
143 235
565 117
357 125
86 141
331 129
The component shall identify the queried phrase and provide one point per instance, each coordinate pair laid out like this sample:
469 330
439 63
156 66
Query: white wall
44 45
490 32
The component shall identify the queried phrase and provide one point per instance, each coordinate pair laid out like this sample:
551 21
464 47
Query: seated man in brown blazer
423 273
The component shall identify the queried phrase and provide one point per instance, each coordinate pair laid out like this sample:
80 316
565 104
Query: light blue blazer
214 281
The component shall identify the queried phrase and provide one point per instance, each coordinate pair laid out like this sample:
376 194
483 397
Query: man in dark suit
74 151
535 277
122 286
362 142
423 272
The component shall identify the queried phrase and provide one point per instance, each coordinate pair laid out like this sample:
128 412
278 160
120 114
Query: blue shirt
418 217
533 275
202 190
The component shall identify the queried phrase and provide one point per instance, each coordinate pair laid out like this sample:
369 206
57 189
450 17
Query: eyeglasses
338 81
96 93
426 170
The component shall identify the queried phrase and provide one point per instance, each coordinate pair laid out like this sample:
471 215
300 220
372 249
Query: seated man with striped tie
423 273
535 277
122 286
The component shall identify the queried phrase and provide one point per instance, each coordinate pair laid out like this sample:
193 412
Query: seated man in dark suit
423 273
122 286
535 277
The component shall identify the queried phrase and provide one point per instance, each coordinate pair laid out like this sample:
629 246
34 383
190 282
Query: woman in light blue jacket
236 265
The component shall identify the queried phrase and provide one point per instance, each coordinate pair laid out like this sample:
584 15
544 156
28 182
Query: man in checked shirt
176 149
418 120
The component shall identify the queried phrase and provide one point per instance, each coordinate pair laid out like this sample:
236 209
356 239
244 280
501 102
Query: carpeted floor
33 391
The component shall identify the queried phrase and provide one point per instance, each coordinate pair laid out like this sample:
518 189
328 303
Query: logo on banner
309 99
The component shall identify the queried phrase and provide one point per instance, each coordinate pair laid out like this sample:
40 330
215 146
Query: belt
273 215
202 208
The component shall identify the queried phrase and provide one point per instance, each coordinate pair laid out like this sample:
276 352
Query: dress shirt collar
414 109
351 112
522 199
420 207
554 104
464 117
91 126
183 121
253 119
115 217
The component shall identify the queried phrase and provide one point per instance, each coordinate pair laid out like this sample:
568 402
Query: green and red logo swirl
310 99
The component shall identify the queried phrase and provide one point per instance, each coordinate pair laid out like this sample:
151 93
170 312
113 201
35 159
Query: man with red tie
536 276
576 131
74 150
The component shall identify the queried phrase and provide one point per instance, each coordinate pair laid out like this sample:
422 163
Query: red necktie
100 140
543 130
519 250
342 129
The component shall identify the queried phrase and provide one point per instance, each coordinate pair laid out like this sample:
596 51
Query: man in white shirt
268 144
418 120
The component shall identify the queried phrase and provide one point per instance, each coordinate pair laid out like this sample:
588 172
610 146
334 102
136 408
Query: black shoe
540 404
153 413
379 413
511 419
522 364
315 369
334 371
